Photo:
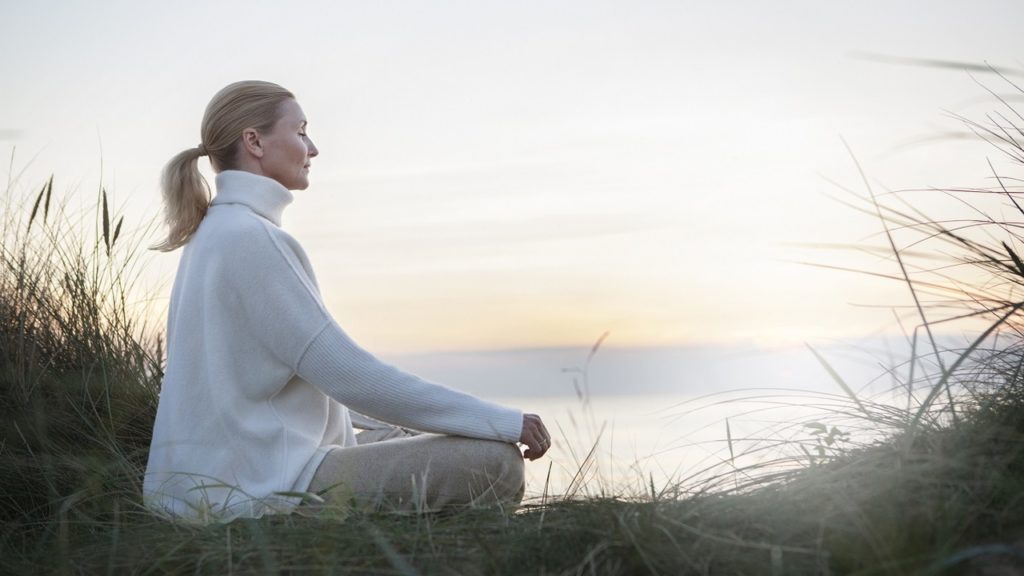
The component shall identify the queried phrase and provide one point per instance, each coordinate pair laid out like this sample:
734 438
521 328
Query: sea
631 421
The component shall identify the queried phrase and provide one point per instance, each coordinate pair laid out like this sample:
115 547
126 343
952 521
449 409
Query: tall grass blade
547 485
49 191
728 437
106 222
903 269
842 383
584 467
1003 186
937 63
586 366
117 231
1015 258
35 209
732 455
593 349
943 382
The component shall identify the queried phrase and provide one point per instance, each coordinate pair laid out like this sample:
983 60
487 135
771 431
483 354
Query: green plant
80 372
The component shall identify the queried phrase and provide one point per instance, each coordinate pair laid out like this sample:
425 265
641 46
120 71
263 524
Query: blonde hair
246 104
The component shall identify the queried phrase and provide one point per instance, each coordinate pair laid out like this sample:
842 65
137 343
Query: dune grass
927 477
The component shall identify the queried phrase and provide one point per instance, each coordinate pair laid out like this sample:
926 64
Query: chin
298 183
301 182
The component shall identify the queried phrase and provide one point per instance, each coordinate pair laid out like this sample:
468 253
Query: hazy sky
502 174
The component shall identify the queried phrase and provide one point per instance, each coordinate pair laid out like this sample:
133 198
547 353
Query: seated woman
262 386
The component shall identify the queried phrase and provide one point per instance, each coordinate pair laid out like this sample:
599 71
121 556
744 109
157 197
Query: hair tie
202 149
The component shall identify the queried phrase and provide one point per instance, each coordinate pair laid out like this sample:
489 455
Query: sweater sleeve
354 377
286 317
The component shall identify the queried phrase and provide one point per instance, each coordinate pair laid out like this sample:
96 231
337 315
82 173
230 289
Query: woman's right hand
535 436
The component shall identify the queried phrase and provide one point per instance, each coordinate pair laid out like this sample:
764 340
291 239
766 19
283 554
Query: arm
286 318
354 377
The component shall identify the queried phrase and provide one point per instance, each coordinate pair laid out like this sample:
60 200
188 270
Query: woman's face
287 150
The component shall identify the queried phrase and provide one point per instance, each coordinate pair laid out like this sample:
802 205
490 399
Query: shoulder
228 225
238 228
241 242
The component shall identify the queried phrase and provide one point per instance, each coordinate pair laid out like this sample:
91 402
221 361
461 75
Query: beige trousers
395 470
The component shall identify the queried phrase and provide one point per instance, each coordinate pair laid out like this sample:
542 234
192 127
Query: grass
925 477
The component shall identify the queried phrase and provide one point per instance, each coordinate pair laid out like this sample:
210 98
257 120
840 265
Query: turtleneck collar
264 196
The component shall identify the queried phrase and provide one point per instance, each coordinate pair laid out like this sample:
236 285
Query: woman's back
243 305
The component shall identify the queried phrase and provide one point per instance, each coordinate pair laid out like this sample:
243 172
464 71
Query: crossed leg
392 470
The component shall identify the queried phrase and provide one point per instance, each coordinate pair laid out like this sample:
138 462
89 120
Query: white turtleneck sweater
259 375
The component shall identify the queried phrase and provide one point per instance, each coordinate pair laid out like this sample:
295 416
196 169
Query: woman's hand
535 436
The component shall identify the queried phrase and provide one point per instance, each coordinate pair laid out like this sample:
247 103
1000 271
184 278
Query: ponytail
246 104
186 198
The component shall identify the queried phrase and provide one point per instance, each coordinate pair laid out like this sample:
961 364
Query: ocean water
672 441
634 418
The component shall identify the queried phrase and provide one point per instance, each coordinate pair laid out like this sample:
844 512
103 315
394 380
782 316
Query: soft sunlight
496 176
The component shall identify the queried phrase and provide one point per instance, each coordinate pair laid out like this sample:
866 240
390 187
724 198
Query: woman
255 403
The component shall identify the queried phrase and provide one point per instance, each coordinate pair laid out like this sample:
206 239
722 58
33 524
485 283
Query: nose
312 150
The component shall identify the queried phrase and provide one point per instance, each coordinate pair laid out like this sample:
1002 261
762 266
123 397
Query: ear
251 142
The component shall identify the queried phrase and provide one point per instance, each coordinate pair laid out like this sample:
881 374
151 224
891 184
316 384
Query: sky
500 175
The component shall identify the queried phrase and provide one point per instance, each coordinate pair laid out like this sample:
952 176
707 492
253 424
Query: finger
536 423
541 447
543 441
530 454
534 448
535 436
